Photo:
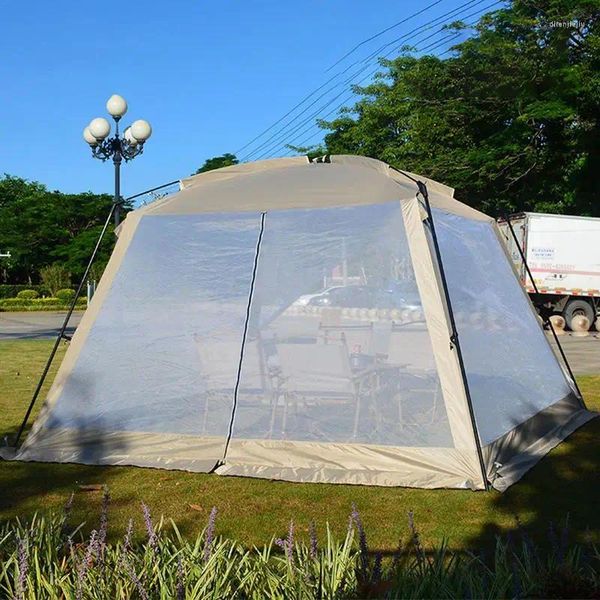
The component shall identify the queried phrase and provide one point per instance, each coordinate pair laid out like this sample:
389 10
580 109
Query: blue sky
209 76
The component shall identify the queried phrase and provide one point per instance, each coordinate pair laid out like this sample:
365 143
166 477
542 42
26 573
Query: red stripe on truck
567 271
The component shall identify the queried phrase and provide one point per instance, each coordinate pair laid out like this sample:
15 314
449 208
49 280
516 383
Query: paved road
35 325
583 352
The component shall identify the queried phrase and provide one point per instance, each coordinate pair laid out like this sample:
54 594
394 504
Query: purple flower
564 541
180 593
415 537
103 521
313 548
134 578
362 539
128 536
376 576
287 545
87 561
152 537
516 580
68 507
290 542
92 549
210 534
23 557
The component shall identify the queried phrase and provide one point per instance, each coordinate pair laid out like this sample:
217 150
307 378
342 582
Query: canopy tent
328 321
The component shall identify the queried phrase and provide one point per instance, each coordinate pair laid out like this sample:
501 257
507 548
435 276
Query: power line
282 130
437 21
276 145
279 145
452 13
381 33
311 94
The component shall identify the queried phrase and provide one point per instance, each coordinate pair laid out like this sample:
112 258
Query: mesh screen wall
168 335
336 367
511 369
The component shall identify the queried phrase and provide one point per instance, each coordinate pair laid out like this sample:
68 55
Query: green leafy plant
50 557
65 294
55 277
28 294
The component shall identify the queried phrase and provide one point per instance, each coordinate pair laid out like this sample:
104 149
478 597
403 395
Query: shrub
28 294
55 278
66 294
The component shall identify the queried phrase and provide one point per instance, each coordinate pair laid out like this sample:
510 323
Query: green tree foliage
217 162
40 228
510 119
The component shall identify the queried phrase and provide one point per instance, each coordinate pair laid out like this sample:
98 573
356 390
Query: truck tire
578 307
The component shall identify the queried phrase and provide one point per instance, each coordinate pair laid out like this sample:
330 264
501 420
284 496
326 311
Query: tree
510 120
41 228
217 162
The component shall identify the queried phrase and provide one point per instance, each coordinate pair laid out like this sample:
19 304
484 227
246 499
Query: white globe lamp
129 138
116 106
99 128
89 138
141 130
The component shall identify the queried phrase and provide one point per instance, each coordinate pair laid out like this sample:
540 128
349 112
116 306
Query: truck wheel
575 308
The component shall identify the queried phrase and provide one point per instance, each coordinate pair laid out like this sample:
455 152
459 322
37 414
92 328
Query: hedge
21 304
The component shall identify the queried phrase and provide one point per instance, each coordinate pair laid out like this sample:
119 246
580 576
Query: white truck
563 255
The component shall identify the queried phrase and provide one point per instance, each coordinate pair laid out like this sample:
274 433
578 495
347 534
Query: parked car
306 298
355 296
362 296
398 296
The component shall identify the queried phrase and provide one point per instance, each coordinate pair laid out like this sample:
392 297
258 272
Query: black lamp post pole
117 162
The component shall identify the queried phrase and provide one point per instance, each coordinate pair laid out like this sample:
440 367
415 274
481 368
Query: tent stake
454 341
547 318
64 326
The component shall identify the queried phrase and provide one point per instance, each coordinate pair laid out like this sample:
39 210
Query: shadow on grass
34 486
563 487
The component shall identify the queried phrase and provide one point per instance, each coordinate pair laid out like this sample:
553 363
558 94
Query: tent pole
454 342
243 345
547 318
64 326
154 189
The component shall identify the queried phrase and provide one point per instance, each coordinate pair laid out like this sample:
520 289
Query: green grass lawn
566 482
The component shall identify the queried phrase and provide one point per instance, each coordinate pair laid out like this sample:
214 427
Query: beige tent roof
283 183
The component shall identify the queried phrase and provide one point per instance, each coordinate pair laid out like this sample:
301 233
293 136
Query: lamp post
127 146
